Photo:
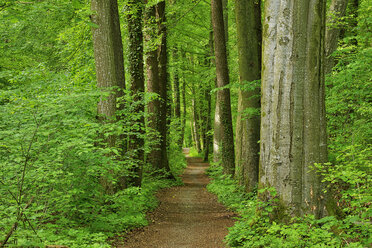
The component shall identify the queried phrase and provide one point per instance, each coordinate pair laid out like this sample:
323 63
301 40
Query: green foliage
48 134
256 228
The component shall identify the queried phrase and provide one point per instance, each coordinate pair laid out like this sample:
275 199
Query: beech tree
293 124
248 23
108 54
224 137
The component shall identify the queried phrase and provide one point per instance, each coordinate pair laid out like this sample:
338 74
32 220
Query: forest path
188 216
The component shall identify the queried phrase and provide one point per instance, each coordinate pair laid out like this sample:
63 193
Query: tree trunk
248 123
137 82
183 119
223 120
152 70
177 96
293 127
108 54
196 126
225 10
176 81
163 83
336 11
156 62
207 136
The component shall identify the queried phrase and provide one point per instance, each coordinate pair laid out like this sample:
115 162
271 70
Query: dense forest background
72 175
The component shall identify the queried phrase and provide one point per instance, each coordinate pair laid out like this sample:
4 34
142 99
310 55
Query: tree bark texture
137 85
293 127
248 125
156 61
108 54
223 119
177 95
163 82
153 85
336 11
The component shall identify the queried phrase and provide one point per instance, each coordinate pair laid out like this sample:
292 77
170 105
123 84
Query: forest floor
188 216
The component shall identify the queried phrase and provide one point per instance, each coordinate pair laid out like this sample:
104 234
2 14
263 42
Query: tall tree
336 11
137 85
108 54
248 122
163 82
293 127
156 60
176 92
223 120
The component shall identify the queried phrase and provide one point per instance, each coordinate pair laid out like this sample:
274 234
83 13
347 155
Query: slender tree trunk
196 123
207 96
156 62
177 96
137 82
108 54
163 83
336 11
293 130
207 136
223 120
183 119
176 81
248 121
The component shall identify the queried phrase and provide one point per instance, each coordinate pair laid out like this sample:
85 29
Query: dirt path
188 216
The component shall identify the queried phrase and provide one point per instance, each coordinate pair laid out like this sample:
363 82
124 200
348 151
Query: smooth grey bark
336 11
137 86
108 55
109 62
293 124
248 124
223 119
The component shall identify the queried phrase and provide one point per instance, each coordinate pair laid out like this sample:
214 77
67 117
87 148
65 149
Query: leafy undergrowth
257 228
51 168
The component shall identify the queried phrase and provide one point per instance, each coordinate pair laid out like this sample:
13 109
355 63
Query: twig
15 225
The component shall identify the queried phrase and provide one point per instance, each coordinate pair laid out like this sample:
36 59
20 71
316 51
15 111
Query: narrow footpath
188 216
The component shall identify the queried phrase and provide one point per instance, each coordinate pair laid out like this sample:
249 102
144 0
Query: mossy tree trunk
293 124
248 122
137 86
223 120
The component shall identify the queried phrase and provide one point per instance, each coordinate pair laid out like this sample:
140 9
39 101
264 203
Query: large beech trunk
293 124
248 122
108 54
223 122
